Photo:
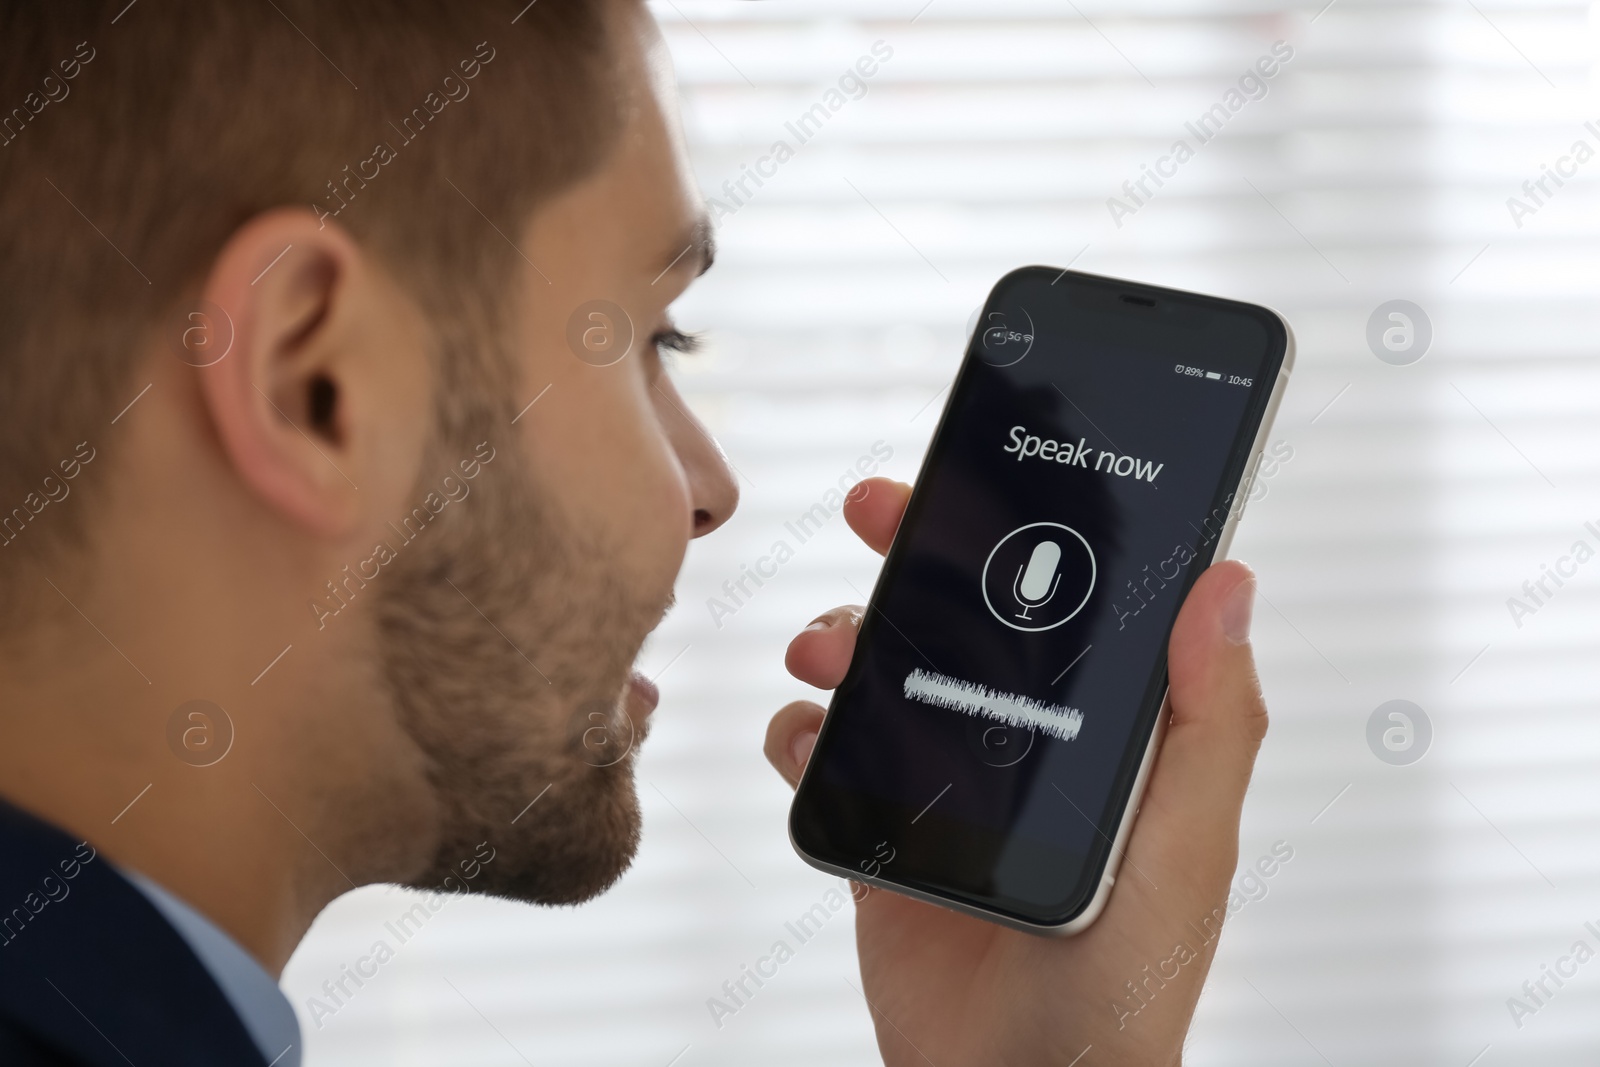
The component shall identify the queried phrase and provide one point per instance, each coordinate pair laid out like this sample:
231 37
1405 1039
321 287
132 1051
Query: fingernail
1236 612
821 624
800 748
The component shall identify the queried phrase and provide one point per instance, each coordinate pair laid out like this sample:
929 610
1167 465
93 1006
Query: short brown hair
135 138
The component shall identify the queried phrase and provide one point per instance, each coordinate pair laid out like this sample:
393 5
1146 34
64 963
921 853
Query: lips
642 695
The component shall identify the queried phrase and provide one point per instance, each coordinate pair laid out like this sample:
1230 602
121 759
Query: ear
304 394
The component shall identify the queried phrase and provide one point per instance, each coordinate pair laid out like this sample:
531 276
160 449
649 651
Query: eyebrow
699 242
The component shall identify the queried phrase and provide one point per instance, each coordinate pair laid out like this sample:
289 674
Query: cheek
604 453
651 500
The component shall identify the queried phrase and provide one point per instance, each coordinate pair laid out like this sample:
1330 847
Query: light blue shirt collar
261 1006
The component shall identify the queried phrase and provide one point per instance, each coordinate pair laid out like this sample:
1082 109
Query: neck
256 842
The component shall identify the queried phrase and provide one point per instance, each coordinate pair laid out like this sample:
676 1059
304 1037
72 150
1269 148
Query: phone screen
1012 662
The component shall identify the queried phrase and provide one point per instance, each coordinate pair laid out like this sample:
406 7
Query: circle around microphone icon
1038 576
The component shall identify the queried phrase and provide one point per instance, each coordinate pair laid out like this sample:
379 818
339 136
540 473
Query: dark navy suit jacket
91 974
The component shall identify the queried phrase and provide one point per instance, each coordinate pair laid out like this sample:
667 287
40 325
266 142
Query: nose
713 490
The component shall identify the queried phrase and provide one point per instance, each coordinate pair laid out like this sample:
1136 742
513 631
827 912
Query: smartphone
990 742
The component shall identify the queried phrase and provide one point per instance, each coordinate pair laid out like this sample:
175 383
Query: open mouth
642 696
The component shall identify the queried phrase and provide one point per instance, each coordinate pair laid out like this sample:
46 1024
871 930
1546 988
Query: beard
506 642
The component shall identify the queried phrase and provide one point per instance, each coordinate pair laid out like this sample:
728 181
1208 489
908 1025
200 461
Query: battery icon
1213 374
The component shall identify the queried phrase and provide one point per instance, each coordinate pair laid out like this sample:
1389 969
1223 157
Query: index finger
873 510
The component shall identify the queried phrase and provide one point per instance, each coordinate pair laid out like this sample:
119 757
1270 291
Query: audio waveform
944 692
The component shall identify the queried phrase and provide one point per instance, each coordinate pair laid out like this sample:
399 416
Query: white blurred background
1418 499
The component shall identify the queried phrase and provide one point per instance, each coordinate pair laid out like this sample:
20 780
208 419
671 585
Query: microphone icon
1033 586
1050 554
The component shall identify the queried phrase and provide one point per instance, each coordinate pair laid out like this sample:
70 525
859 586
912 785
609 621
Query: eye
673 341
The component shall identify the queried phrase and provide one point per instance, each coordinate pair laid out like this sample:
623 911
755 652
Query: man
343 481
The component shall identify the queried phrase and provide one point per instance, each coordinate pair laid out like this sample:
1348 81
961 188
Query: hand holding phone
964 991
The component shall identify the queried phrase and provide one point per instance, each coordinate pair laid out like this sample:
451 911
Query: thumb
1217 724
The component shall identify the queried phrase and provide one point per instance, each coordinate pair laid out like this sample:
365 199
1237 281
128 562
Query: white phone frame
1130 811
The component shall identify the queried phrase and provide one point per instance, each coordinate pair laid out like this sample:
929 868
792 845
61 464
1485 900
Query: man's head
396 277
